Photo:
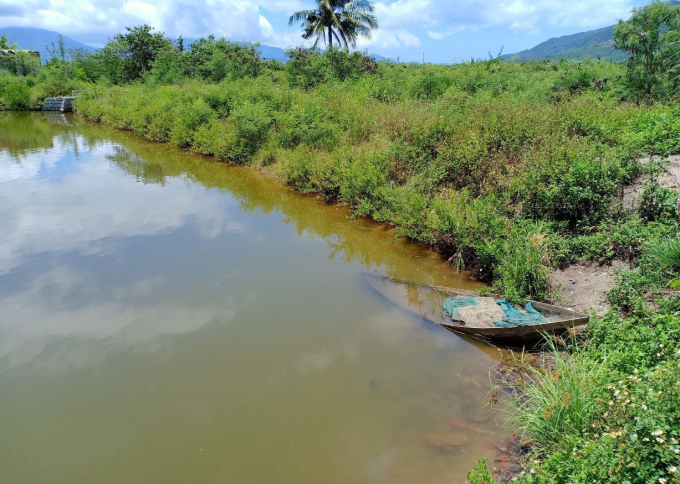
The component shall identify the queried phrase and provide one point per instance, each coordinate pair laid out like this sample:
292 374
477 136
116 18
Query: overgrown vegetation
508 169
610 412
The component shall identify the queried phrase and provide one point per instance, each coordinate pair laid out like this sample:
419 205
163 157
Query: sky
439 30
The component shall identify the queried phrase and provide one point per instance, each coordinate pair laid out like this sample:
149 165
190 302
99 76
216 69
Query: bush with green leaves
308 68
208 59
651 37
17 96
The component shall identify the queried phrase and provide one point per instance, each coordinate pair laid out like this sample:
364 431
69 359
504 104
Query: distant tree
651 36
58 52
20 63
342 20
128 56
208 59
4 43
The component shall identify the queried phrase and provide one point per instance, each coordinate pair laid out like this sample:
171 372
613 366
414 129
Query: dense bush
18 97
308 68
209 60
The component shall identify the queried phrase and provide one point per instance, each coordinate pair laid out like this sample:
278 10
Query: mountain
594 43
41 40
268 52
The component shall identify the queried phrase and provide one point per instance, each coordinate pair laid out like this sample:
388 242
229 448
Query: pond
168 318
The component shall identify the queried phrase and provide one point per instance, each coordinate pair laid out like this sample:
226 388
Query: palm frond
300 16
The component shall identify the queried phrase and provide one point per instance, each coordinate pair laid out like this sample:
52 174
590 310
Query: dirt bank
585 286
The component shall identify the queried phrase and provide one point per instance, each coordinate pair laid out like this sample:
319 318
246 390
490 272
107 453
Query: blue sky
444 30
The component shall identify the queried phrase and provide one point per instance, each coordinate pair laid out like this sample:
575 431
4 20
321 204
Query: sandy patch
669 179
585 286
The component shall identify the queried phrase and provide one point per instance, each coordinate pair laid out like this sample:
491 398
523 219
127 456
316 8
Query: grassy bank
507 169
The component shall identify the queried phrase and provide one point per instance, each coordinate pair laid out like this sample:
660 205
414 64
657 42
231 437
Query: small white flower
657 432
672 469
663 480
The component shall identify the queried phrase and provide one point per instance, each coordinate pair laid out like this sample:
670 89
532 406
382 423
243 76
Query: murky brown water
166 318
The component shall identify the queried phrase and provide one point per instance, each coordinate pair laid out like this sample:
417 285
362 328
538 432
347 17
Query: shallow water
167 318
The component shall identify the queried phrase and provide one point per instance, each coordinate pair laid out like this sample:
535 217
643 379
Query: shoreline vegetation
509 169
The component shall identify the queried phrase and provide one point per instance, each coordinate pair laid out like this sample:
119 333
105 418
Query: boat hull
560 319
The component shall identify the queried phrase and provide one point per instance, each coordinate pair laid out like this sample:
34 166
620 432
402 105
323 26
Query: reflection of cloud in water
30 333
323 359
28 166
95 204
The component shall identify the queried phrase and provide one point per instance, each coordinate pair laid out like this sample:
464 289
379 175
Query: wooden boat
426 301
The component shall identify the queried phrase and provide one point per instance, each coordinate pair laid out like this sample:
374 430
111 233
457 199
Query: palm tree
342 20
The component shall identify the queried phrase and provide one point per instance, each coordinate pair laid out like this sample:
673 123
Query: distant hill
40 40
268 52
594 43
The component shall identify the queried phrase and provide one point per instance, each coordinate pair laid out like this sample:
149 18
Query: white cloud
233 19
387 39
442 18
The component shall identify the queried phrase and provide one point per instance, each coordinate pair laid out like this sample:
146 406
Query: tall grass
665 254
558 402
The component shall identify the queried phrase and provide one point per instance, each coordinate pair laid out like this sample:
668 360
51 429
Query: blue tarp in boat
512 317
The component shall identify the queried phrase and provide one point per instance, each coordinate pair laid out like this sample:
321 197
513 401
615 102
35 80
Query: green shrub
307 68
188 117
582 196
657 203
480 474
633 435
252 122
522 267
18 97
656 132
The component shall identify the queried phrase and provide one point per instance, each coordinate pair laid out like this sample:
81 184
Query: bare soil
585 286
669 179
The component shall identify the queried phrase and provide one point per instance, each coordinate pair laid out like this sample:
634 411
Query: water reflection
167 318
